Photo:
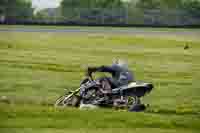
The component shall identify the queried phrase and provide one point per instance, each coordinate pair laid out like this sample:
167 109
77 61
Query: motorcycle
89 93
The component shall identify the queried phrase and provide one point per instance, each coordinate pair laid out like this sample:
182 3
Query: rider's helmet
121 63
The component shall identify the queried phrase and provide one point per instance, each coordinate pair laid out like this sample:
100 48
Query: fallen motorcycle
127 96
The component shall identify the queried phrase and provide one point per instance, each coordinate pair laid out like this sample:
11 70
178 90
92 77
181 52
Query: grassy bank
36 67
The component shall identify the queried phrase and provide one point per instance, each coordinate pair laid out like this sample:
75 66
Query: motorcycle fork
121 96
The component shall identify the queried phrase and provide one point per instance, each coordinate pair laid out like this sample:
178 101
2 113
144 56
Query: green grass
36 67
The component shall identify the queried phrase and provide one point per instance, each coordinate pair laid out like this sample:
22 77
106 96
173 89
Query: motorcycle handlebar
89 76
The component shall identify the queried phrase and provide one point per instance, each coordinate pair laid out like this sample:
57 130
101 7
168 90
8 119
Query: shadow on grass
185 110
149 111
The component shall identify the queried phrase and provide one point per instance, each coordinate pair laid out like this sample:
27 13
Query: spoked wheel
63 101
135 105
59 101
133 100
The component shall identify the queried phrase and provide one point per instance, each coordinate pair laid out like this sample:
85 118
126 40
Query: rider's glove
91 70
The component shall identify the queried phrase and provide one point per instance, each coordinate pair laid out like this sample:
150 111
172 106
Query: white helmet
121 63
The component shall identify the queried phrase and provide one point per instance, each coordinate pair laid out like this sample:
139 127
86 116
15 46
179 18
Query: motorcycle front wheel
62 101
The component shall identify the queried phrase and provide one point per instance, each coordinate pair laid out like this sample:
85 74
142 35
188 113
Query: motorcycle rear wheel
133 100
136 105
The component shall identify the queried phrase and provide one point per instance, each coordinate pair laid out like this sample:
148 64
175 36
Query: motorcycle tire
74 101
137 108
133 103
133 100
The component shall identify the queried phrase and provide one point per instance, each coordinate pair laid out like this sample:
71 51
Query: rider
120 75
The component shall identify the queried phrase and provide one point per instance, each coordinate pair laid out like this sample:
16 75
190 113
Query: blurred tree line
129 10
169 12
134 11
192 6
11 10
74 8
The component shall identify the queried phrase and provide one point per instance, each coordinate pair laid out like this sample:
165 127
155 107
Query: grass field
36 67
